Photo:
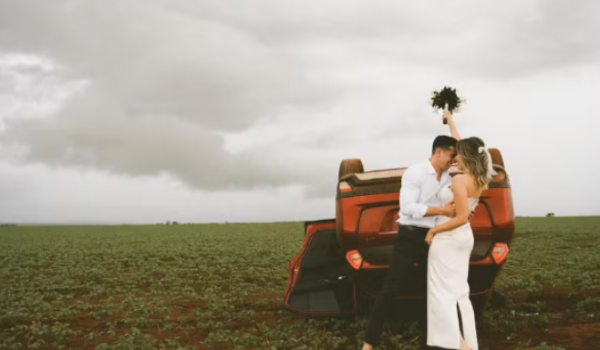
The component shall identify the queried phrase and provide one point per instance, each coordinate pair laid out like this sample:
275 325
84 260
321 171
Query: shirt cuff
419 211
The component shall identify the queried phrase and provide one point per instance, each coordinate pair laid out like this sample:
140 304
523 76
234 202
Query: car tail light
499 252
497 256
354 259
357 263
345 187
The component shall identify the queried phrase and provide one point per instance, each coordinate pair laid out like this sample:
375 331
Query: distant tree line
169 223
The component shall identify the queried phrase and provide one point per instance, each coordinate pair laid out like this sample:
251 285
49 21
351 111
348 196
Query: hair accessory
481 149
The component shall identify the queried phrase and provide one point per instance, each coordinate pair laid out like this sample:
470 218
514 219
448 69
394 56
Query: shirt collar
430 168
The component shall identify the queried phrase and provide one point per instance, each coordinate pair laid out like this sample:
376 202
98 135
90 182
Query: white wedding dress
447 286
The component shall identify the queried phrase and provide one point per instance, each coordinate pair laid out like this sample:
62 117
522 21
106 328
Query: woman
451 243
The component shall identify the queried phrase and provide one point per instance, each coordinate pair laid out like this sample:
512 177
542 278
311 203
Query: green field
221 286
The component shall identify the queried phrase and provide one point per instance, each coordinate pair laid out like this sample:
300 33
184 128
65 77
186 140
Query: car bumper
377 258
369 276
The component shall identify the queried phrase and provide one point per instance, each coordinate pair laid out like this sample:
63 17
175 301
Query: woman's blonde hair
475 159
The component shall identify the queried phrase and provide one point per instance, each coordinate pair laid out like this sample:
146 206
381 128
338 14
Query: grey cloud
498 41
553 35
493 40
167 77
107 140
152 60
163 84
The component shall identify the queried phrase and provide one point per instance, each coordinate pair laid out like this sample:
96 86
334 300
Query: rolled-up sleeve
409 195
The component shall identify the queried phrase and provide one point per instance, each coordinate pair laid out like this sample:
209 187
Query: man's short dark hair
444 142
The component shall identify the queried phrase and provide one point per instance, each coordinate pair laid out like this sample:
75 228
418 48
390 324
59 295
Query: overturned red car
342 263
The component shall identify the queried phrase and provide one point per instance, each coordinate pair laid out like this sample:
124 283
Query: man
419 206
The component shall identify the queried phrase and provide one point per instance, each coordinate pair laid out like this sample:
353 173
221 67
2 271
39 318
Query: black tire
350 166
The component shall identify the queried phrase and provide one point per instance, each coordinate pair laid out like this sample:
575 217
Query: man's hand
429 237
449 209
471 215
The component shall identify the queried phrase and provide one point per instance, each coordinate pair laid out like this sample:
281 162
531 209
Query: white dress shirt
421 189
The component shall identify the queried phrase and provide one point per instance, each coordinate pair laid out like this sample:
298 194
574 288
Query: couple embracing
440 236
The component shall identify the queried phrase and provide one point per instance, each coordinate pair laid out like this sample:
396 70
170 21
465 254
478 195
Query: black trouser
409 248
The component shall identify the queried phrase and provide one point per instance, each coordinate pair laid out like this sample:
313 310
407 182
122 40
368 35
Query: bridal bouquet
446 99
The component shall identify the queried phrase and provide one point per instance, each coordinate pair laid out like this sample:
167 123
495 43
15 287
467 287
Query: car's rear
367 207
351 257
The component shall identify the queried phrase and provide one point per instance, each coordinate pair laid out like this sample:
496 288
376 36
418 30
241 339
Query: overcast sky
144 111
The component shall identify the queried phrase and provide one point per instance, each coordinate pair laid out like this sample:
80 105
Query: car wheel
350 166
